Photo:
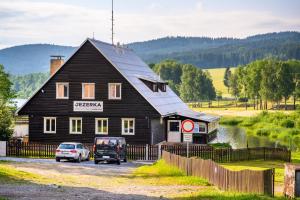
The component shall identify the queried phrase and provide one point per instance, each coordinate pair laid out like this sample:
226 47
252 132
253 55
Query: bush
230 121
287 123
263 132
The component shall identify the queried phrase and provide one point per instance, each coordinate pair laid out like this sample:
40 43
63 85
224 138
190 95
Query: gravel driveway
85 181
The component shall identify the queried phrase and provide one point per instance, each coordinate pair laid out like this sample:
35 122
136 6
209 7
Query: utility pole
112 22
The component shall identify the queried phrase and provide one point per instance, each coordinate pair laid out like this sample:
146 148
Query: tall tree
226 80
6 111
234 86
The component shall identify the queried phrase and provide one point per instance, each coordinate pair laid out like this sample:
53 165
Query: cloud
25 21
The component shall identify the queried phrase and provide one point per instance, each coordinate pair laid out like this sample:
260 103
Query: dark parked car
110 149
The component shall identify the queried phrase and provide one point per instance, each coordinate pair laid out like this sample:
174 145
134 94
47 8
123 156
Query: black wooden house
105 89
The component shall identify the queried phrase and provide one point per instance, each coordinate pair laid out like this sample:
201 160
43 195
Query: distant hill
203 52
31 58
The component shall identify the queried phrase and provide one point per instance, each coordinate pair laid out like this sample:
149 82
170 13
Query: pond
237 138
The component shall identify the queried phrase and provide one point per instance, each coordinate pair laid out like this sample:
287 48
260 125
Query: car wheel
118 162
88 157
125 159
79 158
57 160
96 162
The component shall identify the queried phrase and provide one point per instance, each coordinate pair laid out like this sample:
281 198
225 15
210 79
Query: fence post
159 151
147 152
3 147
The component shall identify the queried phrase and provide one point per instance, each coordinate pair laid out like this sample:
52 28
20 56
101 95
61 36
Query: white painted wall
2 148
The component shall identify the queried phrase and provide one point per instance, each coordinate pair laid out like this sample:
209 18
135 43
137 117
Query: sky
70 22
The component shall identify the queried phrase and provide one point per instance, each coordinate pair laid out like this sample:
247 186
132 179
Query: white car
72 151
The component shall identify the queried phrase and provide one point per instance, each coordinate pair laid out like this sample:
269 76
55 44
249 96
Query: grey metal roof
133 68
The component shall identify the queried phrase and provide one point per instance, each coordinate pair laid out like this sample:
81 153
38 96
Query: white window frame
179 126
110 93
82 86
45 125
96 126
70 125
123 122
65 84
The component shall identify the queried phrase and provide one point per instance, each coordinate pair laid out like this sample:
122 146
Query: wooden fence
153 152
248 181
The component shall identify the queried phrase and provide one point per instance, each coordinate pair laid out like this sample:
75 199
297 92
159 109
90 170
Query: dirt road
85 180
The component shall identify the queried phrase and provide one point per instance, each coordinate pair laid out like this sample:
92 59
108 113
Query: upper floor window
88 90
163 87
114 91
49 124
128 126
62 90
155 87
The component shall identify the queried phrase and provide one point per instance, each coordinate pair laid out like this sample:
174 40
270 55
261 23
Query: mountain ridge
204 52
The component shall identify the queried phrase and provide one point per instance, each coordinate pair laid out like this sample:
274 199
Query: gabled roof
133 69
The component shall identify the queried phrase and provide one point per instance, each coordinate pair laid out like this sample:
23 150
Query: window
202 128
76 125
79 146
174 126
163 87
114 90
155 88
128 126
88 90
101 126
62 90
49 124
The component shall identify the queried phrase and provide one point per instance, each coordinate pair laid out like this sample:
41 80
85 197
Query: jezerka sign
88 106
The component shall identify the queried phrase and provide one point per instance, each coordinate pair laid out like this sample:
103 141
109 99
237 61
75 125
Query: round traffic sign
187 125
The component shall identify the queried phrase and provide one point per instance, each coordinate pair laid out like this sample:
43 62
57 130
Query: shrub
263 132
287 123
230 121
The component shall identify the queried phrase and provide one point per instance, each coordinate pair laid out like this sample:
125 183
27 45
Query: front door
174 131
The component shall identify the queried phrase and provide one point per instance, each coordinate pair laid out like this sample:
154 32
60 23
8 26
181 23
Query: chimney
55 63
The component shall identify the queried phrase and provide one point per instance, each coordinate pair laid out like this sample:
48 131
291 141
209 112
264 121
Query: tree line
186 80
263 81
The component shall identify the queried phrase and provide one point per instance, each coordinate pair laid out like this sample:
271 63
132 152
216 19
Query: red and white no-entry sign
187 126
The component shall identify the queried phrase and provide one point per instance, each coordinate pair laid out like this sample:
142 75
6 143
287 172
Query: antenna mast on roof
112 22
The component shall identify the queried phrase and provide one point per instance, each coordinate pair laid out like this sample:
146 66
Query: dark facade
87 65
146 111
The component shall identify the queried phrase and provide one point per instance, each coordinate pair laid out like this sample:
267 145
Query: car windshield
66 146
107 141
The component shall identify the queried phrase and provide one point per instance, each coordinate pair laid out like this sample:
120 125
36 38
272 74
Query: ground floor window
128 126
75 125
101 126
49 124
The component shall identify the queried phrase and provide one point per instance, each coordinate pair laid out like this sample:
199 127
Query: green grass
215 194
10 175
166 174
217 76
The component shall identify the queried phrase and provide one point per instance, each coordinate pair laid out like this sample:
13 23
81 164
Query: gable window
163 87
75 125
128 126
88 90
155 87
49 124
114 91
101 126
62 90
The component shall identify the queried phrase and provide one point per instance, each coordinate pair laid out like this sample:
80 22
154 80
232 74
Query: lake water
238 138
